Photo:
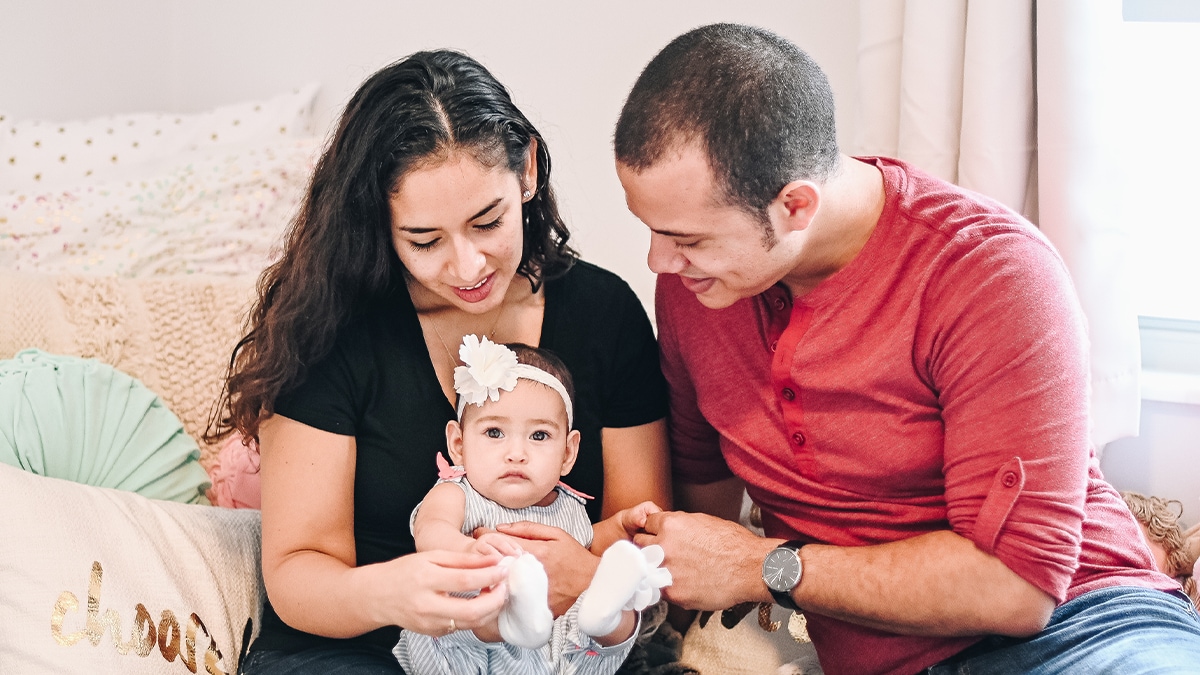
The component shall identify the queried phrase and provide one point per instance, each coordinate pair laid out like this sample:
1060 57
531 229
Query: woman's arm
308 550
637 467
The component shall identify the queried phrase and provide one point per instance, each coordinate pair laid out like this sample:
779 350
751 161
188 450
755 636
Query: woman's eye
488 226
539 436
423 245
493 432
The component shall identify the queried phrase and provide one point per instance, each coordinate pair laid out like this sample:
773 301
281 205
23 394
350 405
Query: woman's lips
477 293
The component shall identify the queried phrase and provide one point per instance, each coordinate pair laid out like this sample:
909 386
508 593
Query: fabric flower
488 369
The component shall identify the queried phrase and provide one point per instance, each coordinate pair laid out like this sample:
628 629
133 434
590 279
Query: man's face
719 251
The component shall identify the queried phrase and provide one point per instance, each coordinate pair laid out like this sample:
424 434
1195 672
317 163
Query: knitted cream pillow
97 580
173 334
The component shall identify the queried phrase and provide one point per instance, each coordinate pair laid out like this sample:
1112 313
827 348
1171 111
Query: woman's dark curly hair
338 254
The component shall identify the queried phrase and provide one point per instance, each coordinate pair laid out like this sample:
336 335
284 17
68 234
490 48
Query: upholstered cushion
97 580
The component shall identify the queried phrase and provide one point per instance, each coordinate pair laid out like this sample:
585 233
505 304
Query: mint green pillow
85 421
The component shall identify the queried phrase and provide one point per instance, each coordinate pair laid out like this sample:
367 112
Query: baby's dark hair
547 361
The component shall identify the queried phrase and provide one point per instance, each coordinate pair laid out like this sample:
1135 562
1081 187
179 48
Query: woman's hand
416 590
568 564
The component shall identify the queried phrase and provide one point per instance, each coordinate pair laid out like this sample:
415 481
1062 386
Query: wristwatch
781 572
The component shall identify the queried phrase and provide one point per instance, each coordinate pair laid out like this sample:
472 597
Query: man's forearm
936 584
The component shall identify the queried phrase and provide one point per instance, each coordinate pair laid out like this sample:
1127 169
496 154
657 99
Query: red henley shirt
938 381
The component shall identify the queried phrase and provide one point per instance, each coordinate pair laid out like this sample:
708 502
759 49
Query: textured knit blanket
174 334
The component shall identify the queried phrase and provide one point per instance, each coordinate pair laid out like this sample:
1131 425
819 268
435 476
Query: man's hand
714 563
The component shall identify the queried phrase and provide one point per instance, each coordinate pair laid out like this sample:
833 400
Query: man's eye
494 433
688 244
539 436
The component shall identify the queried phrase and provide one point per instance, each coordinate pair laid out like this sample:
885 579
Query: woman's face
457 227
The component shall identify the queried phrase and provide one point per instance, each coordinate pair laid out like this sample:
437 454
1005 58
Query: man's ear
796 204
454 441
572 452
529 179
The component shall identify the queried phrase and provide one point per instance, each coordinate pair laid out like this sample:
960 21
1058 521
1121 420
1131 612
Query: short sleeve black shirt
378 385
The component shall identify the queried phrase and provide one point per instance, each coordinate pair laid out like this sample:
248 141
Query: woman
429 217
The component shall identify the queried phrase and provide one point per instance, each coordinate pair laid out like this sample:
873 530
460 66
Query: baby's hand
633 519
491 542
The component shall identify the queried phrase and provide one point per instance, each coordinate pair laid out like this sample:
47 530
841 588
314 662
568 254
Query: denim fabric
1114 630
322 661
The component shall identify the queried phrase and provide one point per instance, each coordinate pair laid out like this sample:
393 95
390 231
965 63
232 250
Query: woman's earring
526 194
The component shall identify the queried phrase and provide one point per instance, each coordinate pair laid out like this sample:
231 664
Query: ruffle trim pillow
85 421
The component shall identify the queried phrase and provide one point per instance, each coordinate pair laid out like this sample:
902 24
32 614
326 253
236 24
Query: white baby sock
526 620
627 578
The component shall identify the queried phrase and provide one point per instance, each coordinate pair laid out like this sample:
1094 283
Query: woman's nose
468 261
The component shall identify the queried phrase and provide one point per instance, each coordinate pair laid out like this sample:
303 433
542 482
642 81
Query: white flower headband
492 367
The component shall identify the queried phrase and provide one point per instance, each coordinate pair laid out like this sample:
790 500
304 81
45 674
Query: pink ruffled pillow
235 482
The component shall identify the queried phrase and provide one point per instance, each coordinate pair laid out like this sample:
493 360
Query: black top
378 385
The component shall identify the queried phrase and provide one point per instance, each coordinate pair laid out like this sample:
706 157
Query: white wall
568 65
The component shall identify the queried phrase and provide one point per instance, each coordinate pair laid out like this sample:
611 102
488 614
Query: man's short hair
760 108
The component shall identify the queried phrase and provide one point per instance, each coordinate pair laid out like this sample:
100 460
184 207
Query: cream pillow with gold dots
218 211
42 156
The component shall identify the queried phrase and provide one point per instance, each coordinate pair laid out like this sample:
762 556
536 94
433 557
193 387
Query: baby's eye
493 432
539 436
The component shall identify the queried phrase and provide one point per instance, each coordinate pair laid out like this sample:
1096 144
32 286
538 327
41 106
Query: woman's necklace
491 334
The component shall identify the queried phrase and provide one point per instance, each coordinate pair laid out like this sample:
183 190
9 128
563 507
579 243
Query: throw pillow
43 156
85 421
106 581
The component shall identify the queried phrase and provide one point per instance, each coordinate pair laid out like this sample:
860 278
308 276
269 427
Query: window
1162 146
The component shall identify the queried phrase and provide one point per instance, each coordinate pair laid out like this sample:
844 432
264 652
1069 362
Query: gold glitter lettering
168 636
144 633
67 602
143 637
764 618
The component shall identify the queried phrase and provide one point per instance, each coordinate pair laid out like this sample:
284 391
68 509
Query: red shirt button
774 345
798 438
1009 480
780 304
789 394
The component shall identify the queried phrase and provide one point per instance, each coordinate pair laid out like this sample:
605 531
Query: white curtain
1015 99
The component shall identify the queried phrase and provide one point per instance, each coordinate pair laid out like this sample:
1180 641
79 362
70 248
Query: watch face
781 570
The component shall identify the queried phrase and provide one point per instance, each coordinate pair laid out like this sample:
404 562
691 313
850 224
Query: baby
510 452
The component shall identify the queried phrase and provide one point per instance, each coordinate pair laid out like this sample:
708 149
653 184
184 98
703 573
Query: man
895 369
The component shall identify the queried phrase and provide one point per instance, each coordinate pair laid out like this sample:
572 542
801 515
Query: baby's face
516 449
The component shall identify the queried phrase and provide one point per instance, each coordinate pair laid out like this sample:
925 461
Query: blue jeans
1114 630
322 661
